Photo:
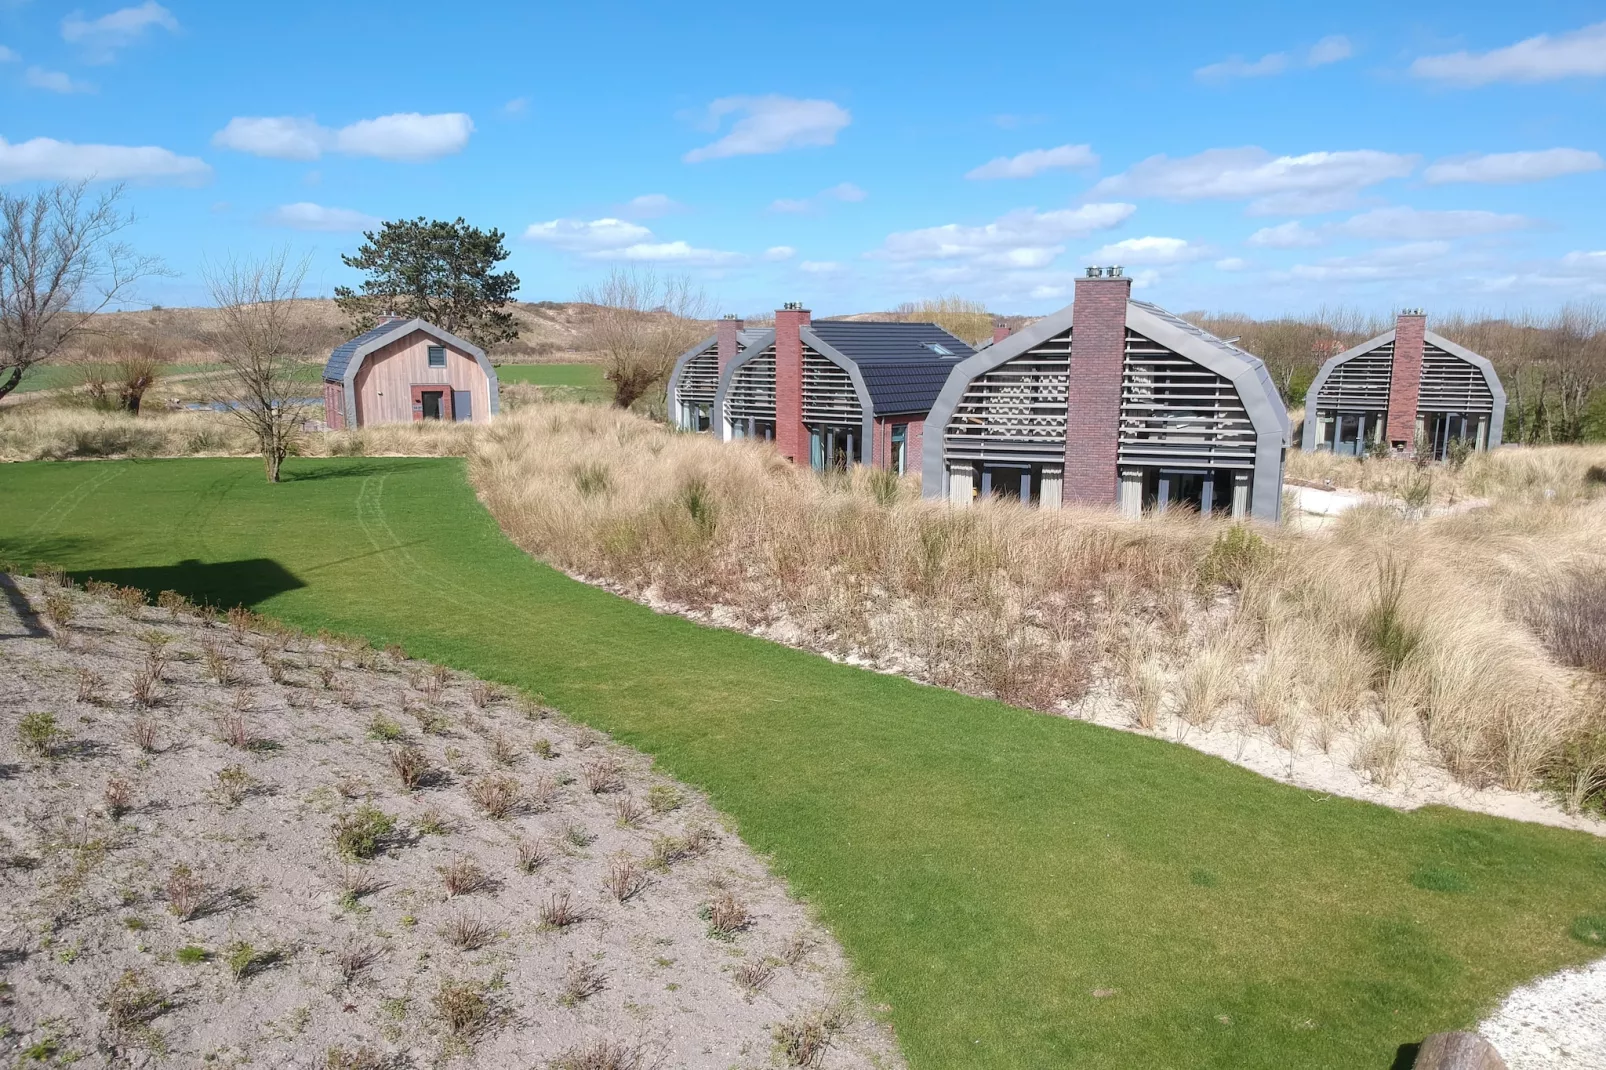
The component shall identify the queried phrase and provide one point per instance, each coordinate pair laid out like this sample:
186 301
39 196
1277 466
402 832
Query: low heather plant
497 795
581 982
185 892
362 833
464 1007
462 876
625 878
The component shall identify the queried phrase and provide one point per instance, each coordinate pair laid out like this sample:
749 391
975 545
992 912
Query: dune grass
1019 890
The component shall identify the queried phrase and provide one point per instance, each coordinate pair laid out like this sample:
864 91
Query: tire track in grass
371 518
51 518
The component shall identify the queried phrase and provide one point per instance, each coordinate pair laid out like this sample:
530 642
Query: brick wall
334 406
725 340
1098 348
881 446
1405 383
790 437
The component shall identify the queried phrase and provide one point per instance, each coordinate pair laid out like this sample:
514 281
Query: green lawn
56 376
987 869
577 382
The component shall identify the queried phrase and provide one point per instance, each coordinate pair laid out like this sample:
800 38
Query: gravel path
1554 1023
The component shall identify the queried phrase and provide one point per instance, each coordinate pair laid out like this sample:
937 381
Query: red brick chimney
790 437
725 340
1405 383
1000 331
1098 349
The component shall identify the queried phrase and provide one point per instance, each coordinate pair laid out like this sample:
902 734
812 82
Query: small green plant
232 784
384 729
1590 929
1439 877
135 924
803 1039
432 823
241 958
1386 627
1235 555
726 916
133 1002
543 749
578 836
464 1007
662 798
359 1058
38 733
698 501
192 954
361 833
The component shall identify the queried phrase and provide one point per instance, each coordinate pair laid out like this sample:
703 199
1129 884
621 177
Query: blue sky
851 156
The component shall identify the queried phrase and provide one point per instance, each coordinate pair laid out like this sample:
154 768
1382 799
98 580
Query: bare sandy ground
445 948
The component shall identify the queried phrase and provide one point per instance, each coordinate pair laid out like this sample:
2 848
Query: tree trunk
11 382
272 459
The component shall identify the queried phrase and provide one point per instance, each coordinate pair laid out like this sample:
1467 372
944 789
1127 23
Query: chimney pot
1094 272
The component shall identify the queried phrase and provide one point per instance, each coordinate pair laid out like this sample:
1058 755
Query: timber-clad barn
1407 390
407 369
1112 402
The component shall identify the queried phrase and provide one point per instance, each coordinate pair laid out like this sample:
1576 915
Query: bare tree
641 323
261 340
61 263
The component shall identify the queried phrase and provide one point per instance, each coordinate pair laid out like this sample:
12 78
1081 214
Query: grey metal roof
335 369
901 373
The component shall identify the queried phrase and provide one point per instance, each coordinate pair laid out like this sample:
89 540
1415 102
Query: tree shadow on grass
225 584
354 468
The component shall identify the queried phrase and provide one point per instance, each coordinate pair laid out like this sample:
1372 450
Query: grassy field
574 382
56 376
1020 890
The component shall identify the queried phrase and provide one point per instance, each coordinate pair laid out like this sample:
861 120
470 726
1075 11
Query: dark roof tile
901 371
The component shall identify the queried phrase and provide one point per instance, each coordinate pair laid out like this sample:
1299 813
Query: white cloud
1513 166
820 267
617 239
1290 235
1575 54
1409 260
1148 250
7 55
1027 164
304 215
1023 238
516 106
1238 67
1590 261
46 159
102 37
777 253
1313 182
1329 50
1416 224
652 205
403 136
55 81
1231 263
842 191
771 124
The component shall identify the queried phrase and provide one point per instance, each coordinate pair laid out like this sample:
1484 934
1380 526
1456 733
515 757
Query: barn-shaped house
695 378
1111 402
1406 390
406 370
836 392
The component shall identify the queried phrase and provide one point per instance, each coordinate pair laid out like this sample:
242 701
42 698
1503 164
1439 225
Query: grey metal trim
866 407
1497 417
674 376
402 329
1246 372
762 341
1307 440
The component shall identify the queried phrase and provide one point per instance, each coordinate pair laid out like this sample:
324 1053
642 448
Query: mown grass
57 376
564 382
987 869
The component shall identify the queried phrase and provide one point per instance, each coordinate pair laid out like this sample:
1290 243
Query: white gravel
1553 1023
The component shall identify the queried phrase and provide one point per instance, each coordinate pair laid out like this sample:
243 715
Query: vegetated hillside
221 840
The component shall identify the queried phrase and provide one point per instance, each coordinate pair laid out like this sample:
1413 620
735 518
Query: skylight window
939 349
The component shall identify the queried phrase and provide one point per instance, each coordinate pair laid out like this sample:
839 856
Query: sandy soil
300 957
1553 1023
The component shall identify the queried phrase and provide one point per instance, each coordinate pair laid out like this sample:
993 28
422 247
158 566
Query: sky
1269 159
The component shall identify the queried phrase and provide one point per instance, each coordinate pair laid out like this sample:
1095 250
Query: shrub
481 693
411 766
384 729
173 602
232 784
804 1039
601 1055
628 812
461 876
90 687
359 1058
1570 615
118 797
185 892
559 913
38 733
362 832
582 981
543 749
529 856
604 775
468 933
234 731
133 1003
625 878
503 750
354 960
1236 555
243 959
726 916
497 795
145 688
754 975
464 1007
142 732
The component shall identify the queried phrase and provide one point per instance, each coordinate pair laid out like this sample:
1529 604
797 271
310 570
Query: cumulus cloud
1327 50
770 124
1290 235
304 215
842 191
1409 260
403 136
1313 182
820 267
1021 239
1416 224
46 159
777 253
55 81
1513 166
1149 250
618 239
1575 54
1231 263
1036 161
101 38
7 55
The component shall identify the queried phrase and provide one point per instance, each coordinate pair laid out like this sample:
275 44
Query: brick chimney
1405 382
790 437
725 340
1000 331
1098 349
